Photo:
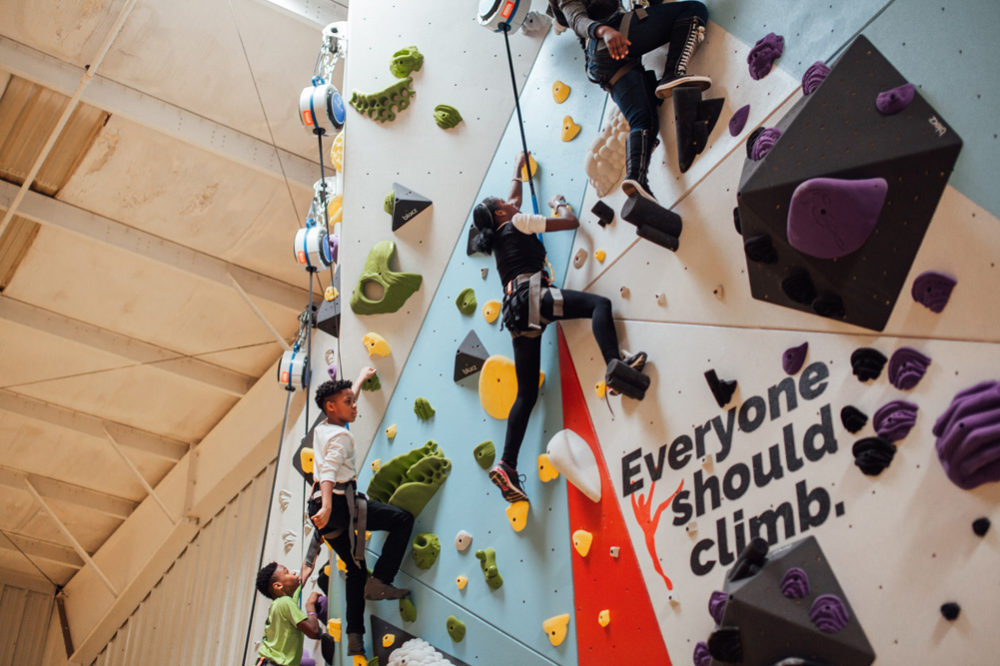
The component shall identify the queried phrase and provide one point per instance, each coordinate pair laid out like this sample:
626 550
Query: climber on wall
614 42
529 303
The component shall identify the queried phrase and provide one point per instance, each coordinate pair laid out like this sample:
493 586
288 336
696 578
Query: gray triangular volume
408 204
328 315
470 356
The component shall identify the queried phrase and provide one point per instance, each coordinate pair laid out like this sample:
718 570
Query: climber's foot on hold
626 376
506 479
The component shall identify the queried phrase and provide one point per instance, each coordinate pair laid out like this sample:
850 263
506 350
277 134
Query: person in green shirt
287 624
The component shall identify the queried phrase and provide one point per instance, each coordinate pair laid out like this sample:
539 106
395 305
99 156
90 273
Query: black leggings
528 358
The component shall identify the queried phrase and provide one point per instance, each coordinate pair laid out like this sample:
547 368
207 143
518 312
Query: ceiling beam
54 213
95 426
132 349
44 550
69 493
156 114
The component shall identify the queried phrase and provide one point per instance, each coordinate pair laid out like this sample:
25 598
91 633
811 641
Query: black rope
520 120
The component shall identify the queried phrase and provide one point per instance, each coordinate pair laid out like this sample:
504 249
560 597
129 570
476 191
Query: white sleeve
529 224
333 457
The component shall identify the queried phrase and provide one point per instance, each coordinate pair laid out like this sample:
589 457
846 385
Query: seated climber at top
530 302
614 42
342 515
287 624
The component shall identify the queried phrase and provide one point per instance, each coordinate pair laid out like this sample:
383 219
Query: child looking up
287 624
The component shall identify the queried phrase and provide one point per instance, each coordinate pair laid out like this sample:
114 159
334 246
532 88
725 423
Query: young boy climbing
287 625
342 515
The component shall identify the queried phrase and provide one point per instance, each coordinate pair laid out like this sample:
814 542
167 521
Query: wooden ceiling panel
28 355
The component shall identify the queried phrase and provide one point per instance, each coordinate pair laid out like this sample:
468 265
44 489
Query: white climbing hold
615 551
661 298
463 540
623 290
289 538
284 497
572 456
719 292
580 258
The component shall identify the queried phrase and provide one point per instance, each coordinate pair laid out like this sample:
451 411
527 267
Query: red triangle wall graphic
600 581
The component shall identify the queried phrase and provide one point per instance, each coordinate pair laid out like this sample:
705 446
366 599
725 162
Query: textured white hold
307 528
571 455
284 497
605 161
289 538
535 23
463 540
661 299
417 652
615 551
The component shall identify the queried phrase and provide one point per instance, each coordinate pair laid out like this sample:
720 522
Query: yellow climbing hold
376 465
359 660
376 344
546 470
335 210
517 515
601 389
390 432
341 567
600 255
388 640
306 460
581 542
555 627
604 617
331 293
461 581
569 129
498 386
326 569
560 91
534 168
491 310
337 152
333 628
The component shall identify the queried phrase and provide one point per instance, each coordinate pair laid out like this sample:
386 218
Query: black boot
685 37
639 150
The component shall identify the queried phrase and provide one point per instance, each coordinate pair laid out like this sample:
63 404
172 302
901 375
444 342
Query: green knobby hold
383 105
410 480
426 548
397 287
373 661
390 202
488 563
446 116
405 61
456 628
371 384
422 409
407 610
485 454
466 301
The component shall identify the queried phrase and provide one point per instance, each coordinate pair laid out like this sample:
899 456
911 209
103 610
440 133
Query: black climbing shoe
636 361
376 590
507 480
638 152
684 40
355 644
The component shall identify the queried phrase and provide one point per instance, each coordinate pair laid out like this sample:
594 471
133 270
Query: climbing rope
520 120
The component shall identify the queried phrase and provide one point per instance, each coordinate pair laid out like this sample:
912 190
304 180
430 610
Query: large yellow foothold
337 152
498 386
388 640
491 310
560 91
569 129
359 660
546 470
461 581
534 168
376 344
306 460
604 617
335 210
390 432
555 628
581 542
601 389
600 255
517 515
333 628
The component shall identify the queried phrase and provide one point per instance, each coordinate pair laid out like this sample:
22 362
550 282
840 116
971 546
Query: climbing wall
686 482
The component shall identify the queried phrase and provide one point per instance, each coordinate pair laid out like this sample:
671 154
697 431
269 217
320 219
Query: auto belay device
293 371
321 106
311 247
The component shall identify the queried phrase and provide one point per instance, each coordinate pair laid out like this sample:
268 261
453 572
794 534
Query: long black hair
482 217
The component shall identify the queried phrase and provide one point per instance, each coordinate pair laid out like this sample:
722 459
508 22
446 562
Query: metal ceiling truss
42 550
69 493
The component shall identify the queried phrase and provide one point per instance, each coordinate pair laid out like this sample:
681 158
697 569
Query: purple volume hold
829 614
702 657
763 54
717 605
739 120
933 289
829 218
764 143
968 436
907 367
794 357
894 420
795 583
893 101
814 76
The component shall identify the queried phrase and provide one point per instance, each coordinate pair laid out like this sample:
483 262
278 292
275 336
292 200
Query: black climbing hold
872 455
736 220
725 645
760 249
753 138
751 559
853 418
470 356
798 286
950 610
660 238
653 222
981 526
694 119
328 315
829 305
605 214
408 204
867 363
722 390
626 380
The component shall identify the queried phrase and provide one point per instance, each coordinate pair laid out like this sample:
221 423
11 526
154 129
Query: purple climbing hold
795 583
872 455
893 101
332 371
702 657
764 142
763 54
832 217
894 420
333 240
829 614
739 120
933 289
814 76
307 660
794 357
717 605
968 436
907 367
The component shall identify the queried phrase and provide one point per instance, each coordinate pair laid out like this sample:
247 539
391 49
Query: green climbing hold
371 384
426 548
410 480
406 60
397 287
407 610
390 202
423 409
446 116
466 301
485 453
383 105
488 563
456 628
